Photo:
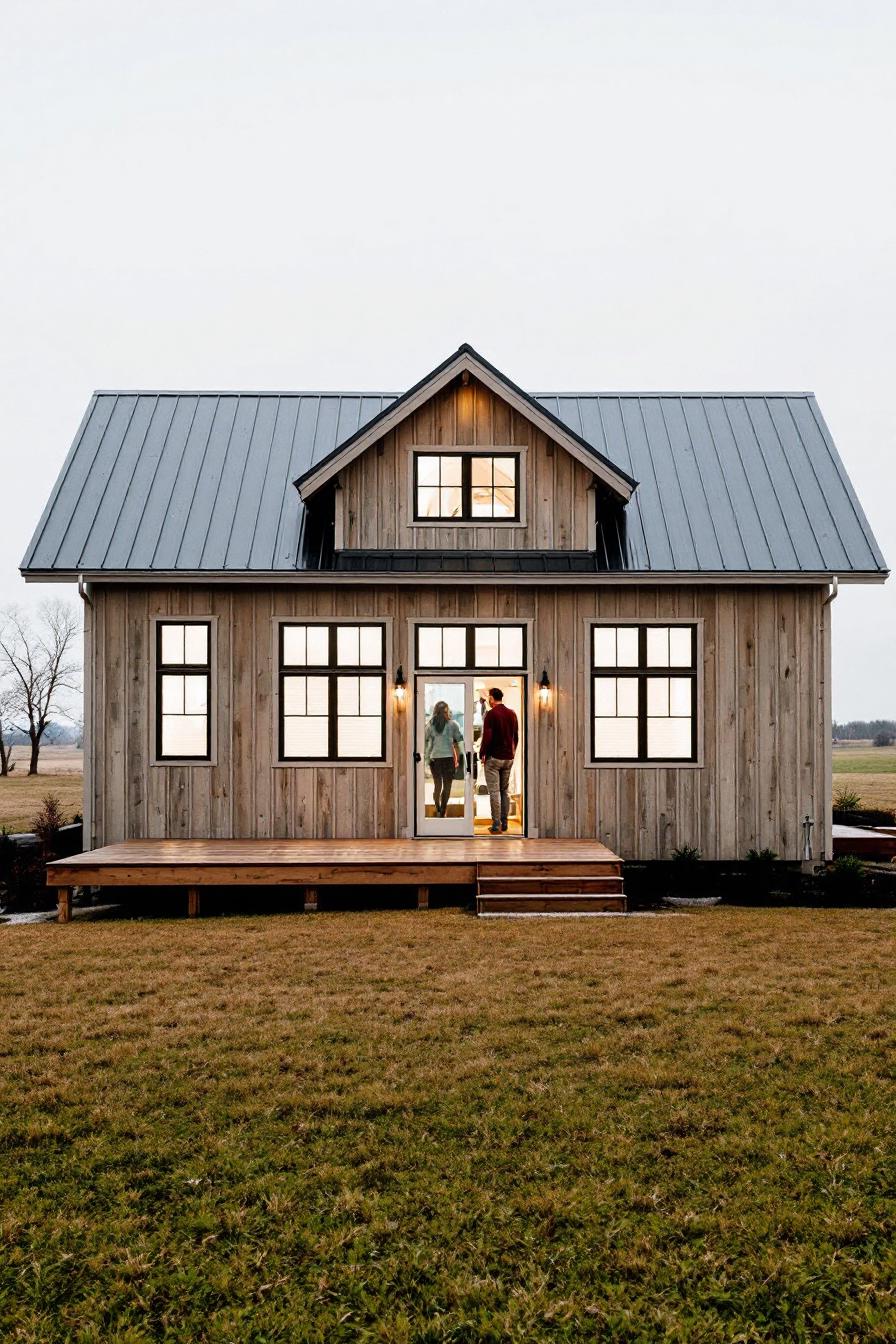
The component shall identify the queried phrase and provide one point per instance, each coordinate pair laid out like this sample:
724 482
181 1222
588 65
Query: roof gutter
83 590
423 578
832 595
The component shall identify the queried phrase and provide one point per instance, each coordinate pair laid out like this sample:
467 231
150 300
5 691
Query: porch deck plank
313 862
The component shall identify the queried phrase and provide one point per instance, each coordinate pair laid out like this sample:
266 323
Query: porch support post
311 900
192 902
64 915
423 898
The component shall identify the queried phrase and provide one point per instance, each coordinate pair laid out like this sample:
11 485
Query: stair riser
549 869
521 886
570 904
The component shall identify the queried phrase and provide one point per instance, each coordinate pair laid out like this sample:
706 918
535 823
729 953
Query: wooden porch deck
505 870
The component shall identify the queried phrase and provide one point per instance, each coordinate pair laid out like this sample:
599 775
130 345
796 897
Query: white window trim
470 450
586 691
324 763
181 618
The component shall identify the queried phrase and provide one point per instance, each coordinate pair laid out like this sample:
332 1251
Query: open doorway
512 687
452 795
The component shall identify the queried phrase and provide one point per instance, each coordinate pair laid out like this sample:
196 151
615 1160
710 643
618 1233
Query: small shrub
47 825
761 856
686 854
846 799
686 877
761 871
884 739
845 879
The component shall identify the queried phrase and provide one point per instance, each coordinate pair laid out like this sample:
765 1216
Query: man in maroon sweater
500 739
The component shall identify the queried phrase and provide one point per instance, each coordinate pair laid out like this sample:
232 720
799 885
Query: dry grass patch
869 771
403 1127
874 790
60 772
21 796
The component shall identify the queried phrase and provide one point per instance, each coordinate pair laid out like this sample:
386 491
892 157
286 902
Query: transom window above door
466 487
471 646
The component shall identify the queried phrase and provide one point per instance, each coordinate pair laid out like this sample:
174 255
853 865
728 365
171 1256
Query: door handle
469 765
417 757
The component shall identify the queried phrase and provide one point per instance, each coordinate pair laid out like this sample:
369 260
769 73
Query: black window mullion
332 717
466 492
471 646
642 717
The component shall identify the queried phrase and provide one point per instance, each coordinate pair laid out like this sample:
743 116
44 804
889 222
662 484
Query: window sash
168 674
647 675
446 488
468 632
340 694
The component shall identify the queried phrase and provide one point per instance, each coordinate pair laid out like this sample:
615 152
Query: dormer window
466 487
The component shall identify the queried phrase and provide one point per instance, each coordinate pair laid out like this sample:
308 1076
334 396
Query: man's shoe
503 825
494 830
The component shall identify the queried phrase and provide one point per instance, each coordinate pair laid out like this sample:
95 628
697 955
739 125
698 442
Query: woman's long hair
440 715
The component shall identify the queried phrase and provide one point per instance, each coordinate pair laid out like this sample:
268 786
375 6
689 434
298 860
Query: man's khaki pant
497 777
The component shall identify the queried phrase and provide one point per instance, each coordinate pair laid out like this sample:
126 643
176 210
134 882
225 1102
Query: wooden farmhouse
282 589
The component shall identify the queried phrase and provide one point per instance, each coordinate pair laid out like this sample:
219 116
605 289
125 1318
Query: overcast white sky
595 195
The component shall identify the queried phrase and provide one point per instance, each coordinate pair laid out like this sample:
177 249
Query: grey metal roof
187 482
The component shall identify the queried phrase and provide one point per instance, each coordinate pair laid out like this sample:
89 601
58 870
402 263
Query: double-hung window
183 690
644 693
332 691
466 487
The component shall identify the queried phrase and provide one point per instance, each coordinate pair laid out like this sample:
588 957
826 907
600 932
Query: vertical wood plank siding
376 494
764 696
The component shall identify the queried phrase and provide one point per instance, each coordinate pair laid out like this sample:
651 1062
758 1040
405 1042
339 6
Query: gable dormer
465 461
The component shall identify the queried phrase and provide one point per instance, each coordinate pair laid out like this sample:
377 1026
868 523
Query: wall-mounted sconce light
544 690
400 685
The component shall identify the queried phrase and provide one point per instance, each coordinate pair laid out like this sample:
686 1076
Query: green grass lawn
423 1127
864 760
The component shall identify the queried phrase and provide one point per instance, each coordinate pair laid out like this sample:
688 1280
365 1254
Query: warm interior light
400 686
544 690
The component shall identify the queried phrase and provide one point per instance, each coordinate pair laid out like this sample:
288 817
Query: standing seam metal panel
726 482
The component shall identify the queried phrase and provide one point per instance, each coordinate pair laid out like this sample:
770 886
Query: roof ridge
368 392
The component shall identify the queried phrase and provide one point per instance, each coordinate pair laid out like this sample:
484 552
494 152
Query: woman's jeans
442 768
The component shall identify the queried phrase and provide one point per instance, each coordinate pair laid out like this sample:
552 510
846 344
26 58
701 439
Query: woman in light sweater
441 751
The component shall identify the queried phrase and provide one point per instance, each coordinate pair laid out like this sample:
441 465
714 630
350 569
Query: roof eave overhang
465 360
318 577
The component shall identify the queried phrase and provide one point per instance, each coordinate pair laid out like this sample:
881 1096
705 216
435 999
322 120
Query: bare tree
6 762
41 668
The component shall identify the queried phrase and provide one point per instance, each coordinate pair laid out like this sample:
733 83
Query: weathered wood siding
375 494
763 708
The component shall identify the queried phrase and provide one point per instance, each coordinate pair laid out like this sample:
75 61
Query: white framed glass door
452 795
444 755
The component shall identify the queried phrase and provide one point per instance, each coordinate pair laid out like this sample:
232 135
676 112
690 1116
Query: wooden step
571 869
595 886
567 903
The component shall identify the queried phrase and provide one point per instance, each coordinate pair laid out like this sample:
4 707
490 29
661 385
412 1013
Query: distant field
61 772
863 759
869 771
